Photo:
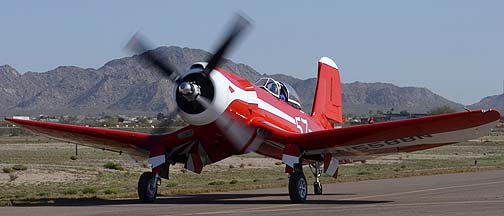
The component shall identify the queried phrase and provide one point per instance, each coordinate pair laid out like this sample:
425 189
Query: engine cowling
212 87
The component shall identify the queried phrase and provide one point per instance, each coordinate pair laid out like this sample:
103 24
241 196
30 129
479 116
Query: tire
298 188
146 192
317 188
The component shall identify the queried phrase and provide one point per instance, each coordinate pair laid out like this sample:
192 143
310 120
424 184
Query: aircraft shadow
193 199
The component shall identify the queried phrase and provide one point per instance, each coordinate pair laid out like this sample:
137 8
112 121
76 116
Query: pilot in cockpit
283 92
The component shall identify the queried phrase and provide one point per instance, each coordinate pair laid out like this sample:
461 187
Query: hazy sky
455 48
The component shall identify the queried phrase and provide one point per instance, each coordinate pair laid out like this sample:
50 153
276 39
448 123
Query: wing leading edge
394 136
133 143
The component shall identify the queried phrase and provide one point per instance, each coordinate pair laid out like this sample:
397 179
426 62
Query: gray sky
455 48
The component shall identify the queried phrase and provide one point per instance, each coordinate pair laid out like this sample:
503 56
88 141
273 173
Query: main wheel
317 188
298 189
147 191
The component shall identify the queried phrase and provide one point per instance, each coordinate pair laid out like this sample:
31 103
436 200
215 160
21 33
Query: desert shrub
73 157
70 191
364 172
441 110
217 183
231 166
278 163
20 195
256 180
19 167
242 165
112 165
234 181
89 190
7 170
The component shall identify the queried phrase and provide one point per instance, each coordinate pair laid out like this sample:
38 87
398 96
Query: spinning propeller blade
240 24
240 135
138 44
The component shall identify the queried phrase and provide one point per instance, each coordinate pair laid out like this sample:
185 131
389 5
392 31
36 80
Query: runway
480 193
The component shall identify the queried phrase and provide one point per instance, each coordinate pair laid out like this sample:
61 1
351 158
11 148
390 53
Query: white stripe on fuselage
273 110
223 98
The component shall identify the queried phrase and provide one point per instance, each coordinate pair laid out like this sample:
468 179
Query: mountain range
131 86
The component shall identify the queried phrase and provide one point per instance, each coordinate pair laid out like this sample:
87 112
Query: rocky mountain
359 98
129 85
494 102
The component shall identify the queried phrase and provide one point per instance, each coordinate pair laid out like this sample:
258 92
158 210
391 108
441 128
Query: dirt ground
44 173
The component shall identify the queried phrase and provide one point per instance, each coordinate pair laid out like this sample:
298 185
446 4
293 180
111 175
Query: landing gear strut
316 169
147 187
298 188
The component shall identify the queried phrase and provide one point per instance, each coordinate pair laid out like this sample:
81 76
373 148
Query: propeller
138 44
195 91
234 32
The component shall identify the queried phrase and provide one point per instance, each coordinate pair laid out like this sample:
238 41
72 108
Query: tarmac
478 193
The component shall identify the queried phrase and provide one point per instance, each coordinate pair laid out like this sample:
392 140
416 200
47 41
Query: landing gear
298 188
147 187
317 188
317 171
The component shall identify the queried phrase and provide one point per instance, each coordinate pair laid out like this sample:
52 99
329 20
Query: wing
133 143
390 137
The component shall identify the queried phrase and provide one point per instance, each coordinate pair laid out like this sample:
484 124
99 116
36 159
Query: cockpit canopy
280 90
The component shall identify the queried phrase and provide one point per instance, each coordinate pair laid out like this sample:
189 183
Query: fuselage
246 102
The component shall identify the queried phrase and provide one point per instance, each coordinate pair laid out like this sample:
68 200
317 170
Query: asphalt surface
480 193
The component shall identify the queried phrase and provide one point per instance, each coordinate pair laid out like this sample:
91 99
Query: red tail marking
327 105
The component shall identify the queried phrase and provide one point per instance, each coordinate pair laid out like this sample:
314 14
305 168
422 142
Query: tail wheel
147 190
298 188
317 188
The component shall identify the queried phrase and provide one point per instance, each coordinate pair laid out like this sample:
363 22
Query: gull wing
133 143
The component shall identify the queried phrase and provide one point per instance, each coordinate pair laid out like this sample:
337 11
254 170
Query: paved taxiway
479 193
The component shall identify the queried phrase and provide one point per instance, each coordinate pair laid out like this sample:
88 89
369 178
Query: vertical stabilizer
327 105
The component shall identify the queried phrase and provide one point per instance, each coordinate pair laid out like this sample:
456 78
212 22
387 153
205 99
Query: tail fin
327 106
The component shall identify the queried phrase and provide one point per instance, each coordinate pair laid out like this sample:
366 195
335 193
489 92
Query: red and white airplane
228 115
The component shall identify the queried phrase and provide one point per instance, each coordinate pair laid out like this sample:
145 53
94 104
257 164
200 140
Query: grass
171 184
111 191
89 190
110 175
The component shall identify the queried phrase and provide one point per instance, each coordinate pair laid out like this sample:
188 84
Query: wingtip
495 113
328 61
